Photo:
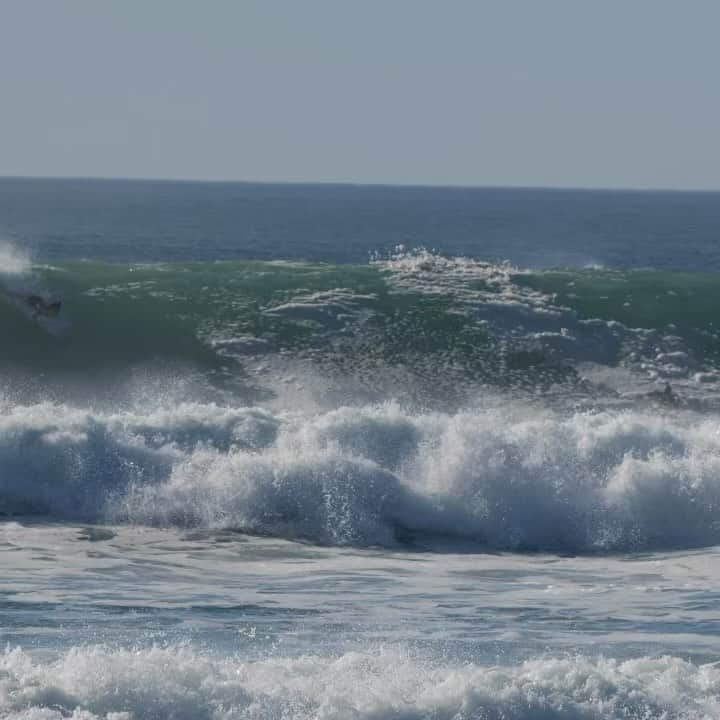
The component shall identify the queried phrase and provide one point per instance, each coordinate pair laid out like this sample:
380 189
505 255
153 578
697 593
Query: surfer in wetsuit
40 306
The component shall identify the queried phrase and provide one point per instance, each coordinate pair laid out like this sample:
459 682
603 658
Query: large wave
95 682
273 414
414 320
511 477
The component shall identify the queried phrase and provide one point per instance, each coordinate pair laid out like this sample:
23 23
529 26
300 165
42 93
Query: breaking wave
94 682
510 476
415 400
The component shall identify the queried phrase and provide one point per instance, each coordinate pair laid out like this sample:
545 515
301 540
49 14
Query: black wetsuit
40 306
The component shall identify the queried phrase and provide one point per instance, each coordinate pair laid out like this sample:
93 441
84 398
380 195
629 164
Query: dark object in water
40 306
667 396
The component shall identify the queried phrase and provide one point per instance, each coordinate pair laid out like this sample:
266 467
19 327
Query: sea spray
416 327
518 478
13 260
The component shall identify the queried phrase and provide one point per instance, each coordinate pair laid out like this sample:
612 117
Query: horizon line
362 184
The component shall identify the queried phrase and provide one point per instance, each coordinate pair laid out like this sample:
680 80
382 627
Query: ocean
316 452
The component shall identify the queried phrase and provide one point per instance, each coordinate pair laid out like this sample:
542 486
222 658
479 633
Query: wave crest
511 478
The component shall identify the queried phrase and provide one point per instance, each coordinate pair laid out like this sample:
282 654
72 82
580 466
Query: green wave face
685 304
116 315
443 322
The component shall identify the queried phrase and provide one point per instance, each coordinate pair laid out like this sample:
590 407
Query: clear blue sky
610 93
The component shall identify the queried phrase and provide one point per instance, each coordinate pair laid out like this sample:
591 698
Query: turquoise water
266 464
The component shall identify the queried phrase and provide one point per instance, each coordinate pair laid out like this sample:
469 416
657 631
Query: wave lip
92 683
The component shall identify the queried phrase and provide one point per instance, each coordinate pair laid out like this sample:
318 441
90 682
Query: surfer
667 396
40 306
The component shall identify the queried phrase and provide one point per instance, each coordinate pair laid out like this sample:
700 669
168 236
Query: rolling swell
510 477
412 317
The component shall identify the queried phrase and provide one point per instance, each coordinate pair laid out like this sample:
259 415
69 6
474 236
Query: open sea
315 452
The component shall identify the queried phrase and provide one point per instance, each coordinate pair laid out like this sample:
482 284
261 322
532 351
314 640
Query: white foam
181 683
13 260
508 476
329 309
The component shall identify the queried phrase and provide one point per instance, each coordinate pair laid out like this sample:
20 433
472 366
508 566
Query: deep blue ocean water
332 452
139 221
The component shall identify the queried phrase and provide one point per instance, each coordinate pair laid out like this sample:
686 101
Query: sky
563 93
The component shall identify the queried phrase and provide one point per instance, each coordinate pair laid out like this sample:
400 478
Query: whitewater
260 471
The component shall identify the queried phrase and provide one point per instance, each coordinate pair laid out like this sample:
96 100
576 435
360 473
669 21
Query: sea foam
88 683
513 478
